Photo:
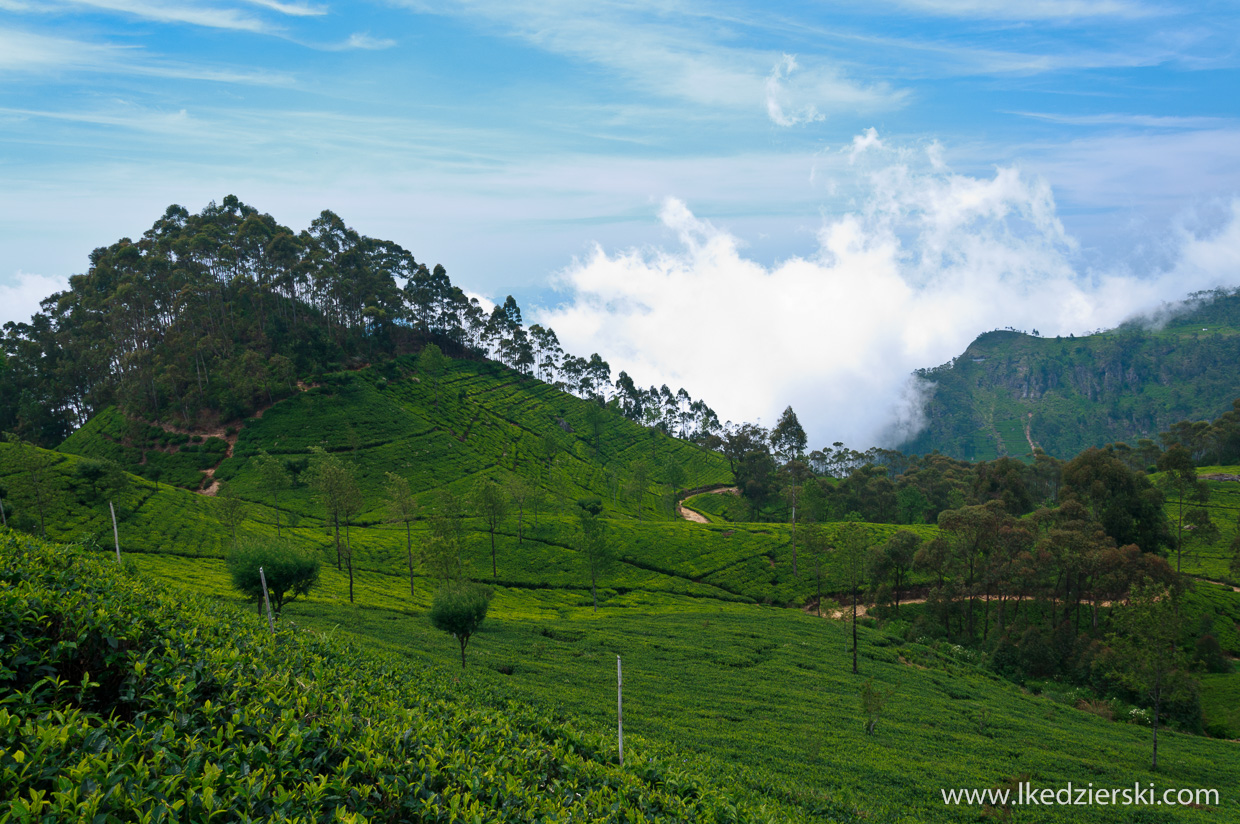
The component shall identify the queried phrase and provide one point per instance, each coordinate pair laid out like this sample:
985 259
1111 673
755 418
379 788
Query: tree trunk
794 539
336 524
348 552
409 550
818 576
1157 703
494 568
854 630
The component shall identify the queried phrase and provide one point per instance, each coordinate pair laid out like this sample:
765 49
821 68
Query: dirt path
1028 434
846 611
210 486
1218 583
697 517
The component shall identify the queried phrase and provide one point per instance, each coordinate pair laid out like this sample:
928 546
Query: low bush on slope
122 702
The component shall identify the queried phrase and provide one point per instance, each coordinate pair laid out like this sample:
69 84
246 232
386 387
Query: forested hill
209 317
1010 391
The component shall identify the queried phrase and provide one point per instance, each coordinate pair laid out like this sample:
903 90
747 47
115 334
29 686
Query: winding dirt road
697 517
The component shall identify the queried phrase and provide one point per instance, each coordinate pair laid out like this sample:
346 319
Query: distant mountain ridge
1010 391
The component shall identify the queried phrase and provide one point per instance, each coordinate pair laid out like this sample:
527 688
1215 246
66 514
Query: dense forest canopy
210 316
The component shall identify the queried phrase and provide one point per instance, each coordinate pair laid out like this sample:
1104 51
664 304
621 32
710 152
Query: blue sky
568 152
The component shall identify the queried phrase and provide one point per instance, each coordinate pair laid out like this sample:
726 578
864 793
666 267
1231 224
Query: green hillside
1008 389
487 421
730 677
124 700
729 562
732 712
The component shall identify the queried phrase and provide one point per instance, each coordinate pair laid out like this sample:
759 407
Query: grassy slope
736 562
1212 560
762 692
128 701
488 421
766 695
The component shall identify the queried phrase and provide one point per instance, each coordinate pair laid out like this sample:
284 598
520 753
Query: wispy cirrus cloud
233 15
1148 121
687 51
23 51
29 52
1032 9
359 40
195 14
291 9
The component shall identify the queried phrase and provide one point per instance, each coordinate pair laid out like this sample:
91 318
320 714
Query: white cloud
1137 120
362 40
778 106
179 12
868 139
26 51
1031 9
20 299
291 9
907 279
679 51
31 53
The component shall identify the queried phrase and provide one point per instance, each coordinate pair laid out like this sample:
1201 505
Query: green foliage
1067 394
1123 501
459 610
290 573
873 702
593 546
492 507
762 699
432 363
1149 659
275 478
232 509
123 701
178 458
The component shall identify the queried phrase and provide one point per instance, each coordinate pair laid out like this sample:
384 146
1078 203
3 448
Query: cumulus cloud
20 299
926 260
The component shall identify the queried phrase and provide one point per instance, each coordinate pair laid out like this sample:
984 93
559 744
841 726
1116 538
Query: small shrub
290 572
459 609
1097 707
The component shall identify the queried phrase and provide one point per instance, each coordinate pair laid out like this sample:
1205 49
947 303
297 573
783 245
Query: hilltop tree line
776 475
213 315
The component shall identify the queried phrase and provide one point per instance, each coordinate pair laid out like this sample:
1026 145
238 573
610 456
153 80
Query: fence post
271 624
620 709
116 535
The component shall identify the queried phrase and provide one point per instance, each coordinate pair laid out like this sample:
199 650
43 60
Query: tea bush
120 701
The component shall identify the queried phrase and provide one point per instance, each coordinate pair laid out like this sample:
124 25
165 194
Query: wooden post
271 624
620 709
116 535
4 519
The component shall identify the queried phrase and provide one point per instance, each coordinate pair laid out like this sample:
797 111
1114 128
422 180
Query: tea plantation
123 700
122 696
